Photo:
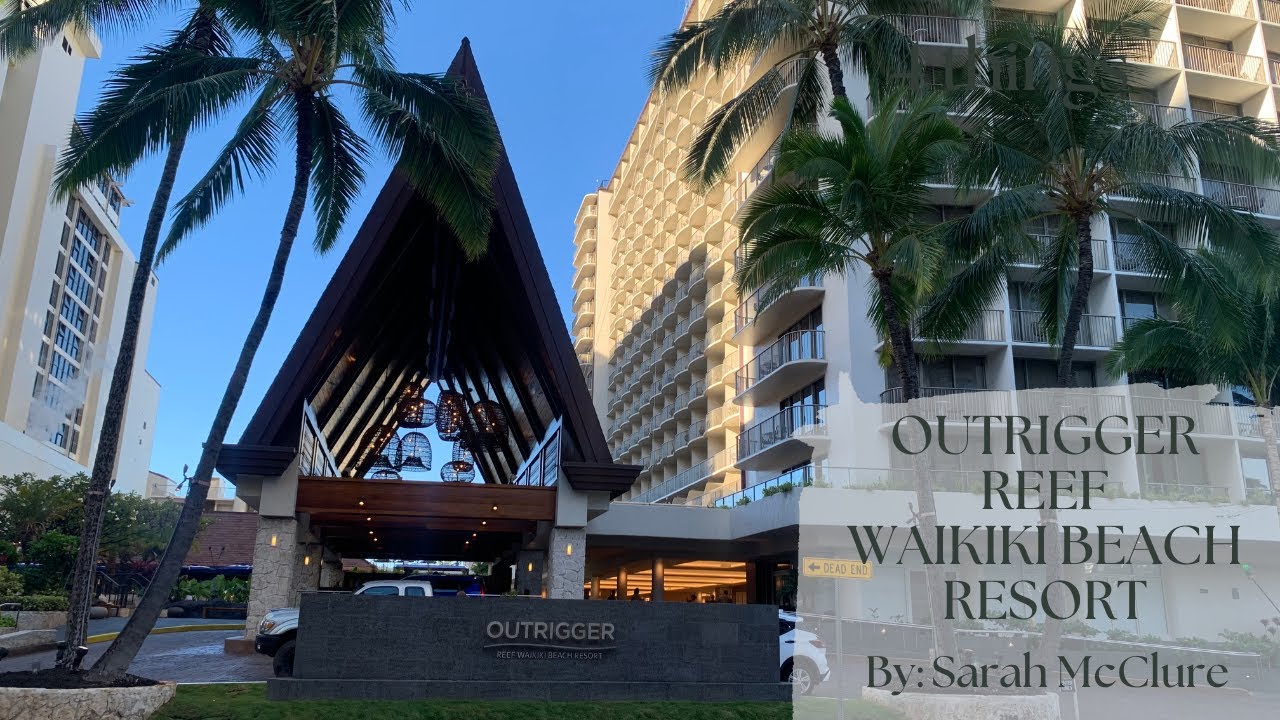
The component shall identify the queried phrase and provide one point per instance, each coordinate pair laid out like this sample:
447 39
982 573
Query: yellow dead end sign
835 568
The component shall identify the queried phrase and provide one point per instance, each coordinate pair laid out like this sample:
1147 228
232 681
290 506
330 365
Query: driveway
186 657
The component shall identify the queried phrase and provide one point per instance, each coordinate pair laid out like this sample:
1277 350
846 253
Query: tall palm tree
302 52
1227 333
802 41
854 203
1055 131
109 140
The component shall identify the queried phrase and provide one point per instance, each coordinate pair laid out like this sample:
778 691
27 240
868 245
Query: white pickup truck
278 631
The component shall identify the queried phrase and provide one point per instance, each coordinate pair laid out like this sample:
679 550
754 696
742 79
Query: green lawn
247 702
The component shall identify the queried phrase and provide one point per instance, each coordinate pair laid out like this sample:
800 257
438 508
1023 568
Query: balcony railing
1157 52
1248 420
1095 330
1166 116
789 423
1239 8
987 327
794 346
748 183
1129 257
1074 407
1209 115
1246 198
761 299
1101 259
952 402
936 29
686 479
1271 11
1224 62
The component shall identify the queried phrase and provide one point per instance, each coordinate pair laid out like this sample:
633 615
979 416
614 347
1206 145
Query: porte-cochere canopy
403 309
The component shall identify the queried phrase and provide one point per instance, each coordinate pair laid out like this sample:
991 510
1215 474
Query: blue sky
566 80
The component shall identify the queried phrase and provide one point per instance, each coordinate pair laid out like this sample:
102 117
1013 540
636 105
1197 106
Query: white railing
1224 62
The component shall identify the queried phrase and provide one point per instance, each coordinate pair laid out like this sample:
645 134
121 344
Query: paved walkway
116 624
187 657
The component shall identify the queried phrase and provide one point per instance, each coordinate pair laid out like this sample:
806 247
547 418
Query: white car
802 656
278 631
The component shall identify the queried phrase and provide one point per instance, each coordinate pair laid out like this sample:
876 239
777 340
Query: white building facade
65 274
721 398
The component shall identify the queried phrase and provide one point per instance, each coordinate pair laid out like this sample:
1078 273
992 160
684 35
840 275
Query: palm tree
1227 333
801 40
855 204
109 141
1064 146
302 52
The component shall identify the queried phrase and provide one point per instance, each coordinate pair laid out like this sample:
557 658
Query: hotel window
1203 108
954 372
1031 373
815 394
1024 16
70 329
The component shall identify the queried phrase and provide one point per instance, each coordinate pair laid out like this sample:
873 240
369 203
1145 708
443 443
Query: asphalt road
186 657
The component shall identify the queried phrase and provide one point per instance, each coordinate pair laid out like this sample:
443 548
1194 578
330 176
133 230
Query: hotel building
65 273
723 398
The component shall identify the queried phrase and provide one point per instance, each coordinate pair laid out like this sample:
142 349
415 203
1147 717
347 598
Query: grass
247 702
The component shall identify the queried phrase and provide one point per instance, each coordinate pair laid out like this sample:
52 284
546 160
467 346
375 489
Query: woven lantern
488 421
451 415
383 443
463 452
416 451
385 475
415 411
457 471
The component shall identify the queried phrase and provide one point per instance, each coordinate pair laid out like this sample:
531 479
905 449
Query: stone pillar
622 583
331 574
275 556
306 569
529 572
595 587
566 563
658 592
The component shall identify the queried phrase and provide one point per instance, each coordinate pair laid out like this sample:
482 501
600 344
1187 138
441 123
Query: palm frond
337 170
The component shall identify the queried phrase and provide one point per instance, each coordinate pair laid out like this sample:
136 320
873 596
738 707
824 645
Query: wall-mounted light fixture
273 540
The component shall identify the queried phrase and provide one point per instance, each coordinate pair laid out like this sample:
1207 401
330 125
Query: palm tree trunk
1051 632
104 461
835 72
905 362
1079 302
1266 420
125 647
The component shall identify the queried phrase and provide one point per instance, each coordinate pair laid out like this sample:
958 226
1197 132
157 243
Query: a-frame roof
404 308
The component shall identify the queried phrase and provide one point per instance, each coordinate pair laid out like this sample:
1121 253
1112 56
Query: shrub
10 582
55 553
6 622
38 603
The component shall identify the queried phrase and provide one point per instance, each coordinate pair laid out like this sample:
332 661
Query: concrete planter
130 703
28 620
931 706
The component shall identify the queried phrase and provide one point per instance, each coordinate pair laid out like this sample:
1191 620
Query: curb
107 637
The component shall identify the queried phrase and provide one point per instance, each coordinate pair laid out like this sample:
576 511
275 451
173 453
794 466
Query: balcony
1101 258
767 310
583 338
952 402
1077 408
987 328
1161 53
686 479
1166 116
1239 8
1245 198
1185 492
1271 11
785 438
795 360
937 29
1224 62
1096 331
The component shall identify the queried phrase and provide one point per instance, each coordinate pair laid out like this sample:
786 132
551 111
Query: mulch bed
60 679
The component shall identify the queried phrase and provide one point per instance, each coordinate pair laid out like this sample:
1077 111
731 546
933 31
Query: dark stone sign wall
524 648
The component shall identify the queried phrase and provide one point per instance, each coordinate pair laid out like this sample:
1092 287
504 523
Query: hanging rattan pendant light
451 415
415 411
385 475
488 421
383 443
416 450
456 471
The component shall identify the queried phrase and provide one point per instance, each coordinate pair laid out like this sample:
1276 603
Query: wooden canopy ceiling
403 308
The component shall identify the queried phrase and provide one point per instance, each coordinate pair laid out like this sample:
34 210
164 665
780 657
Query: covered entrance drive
405 317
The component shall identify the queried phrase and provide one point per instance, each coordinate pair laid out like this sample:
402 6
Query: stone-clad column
529 572
306 569
566 563
275 556
658 591
331 574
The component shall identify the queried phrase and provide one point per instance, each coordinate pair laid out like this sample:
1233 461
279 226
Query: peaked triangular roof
404 307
